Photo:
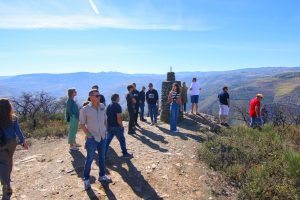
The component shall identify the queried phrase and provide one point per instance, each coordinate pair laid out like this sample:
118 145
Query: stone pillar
165 89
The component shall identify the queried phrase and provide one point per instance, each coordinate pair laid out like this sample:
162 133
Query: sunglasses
96 95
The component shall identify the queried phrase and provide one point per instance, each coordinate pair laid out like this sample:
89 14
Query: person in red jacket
254 112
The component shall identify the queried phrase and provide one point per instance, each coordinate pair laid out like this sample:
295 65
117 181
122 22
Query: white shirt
195 88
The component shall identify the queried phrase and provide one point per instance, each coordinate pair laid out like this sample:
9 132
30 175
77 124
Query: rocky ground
165 166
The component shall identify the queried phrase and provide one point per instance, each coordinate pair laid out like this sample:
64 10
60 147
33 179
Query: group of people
101 123
255 109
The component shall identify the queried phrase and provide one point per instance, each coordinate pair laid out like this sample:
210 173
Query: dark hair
85 103
70 92
91 93
177 87
225 88
95 87
6 113
194 79
114 97
129 87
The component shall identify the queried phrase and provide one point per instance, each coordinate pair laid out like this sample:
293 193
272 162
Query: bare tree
34 106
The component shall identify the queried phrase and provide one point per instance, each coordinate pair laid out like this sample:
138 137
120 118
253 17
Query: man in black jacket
142 97
137 105
131 107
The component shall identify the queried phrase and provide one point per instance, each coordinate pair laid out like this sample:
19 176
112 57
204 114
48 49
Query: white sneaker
105 179
87 185
177 130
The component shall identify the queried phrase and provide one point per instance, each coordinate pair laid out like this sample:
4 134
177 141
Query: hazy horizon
208 71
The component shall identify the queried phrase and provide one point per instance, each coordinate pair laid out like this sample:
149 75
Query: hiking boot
137 125
143 120
105 179
128 155
87 184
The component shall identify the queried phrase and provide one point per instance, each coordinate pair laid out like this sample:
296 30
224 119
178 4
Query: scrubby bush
261 163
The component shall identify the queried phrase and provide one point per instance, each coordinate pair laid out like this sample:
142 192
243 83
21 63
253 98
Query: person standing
9 131
101 98
153 103
254 112
224 104
93 122
194 91
174 98
131 102
115 125
184 99
137 104
142 98
72 114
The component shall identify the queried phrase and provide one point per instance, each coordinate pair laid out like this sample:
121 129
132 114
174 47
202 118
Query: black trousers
184 107
132 116
137 106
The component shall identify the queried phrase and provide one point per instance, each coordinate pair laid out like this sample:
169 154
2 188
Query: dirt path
165 166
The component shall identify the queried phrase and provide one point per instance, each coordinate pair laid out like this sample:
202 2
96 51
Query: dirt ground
165 166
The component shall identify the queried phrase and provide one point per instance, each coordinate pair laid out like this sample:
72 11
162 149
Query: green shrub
261 163
49 128
292 160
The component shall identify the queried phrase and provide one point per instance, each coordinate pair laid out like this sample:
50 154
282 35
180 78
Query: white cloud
75 14
85 22
94 7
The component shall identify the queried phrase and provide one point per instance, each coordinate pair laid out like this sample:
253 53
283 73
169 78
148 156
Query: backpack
2 137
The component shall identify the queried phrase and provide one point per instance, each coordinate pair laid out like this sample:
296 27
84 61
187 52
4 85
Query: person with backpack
9 131
72 115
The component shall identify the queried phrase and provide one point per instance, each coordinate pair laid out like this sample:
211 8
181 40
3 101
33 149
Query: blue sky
147 36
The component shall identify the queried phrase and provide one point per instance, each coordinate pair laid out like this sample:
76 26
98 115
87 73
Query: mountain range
278 84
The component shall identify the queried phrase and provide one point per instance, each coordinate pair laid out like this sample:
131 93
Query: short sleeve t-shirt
223 98
112 110
152 97
195 88
253 103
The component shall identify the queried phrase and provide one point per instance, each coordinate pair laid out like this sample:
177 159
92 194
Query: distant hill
277 84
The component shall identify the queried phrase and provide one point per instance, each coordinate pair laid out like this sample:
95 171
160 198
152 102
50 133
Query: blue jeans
91 146
153 112
142 106
119 133
174 112
255 121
